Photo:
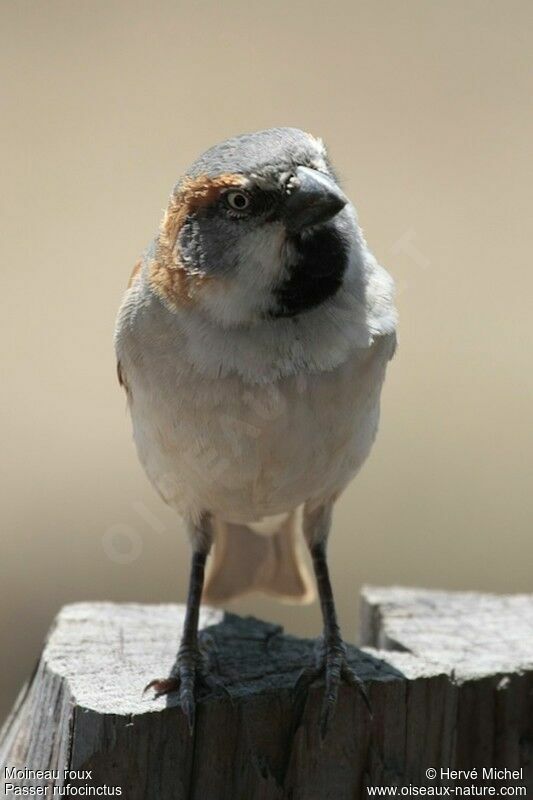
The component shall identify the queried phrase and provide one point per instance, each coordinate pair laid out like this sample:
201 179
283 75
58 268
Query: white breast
248 451
251 423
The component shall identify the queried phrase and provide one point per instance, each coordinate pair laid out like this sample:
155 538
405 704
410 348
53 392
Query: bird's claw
162 686
334 668
190 673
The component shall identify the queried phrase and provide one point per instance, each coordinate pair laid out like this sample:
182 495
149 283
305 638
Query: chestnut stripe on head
169 277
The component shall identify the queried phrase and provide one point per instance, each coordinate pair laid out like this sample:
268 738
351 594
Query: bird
252 343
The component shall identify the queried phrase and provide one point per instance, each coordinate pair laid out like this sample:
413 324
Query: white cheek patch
263 256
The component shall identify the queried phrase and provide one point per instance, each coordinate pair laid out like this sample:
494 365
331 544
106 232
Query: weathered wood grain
443 685
484 642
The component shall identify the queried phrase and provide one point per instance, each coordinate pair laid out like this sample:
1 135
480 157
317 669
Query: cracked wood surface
449 685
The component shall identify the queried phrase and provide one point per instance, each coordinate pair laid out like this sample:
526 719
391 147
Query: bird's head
257 229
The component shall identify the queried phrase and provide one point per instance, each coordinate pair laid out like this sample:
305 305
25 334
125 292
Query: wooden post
450 677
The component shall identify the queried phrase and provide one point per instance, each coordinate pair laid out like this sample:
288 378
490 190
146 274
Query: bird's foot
190 674
332 665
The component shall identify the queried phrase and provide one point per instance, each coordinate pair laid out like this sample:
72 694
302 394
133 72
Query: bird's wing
134 277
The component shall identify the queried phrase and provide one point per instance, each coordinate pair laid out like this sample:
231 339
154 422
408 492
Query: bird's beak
314 198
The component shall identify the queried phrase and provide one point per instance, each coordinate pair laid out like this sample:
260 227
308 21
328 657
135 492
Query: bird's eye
238 201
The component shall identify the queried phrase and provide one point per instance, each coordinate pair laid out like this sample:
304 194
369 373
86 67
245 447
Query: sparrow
252 343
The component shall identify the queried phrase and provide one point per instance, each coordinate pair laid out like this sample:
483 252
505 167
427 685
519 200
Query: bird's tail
247 561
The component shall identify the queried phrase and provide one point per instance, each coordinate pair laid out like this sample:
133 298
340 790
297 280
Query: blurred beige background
426 108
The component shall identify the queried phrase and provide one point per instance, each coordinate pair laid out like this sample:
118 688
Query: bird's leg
189 666
332 658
